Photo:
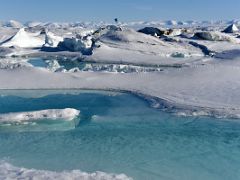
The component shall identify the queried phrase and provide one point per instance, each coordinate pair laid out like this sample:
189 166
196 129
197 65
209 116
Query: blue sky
125 10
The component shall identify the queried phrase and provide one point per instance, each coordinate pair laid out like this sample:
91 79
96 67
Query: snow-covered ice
190 68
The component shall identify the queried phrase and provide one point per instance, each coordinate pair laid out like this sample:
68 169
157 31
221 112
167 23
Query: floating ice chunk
67 114
8 171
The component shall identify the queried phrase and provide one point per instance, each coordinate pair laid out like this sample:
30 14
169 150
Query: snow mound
231 29
24 39
216 36
126 36
8 171
67 114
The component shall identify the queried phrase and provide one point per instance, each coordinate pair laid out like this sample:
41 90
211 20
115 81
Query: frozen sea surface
118 133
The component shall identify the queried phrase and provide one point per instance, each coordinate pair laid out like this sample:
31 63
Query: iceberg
82 44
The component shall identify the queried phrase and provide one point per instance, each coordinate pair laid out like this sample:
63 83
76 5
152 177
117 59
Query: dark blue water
120 133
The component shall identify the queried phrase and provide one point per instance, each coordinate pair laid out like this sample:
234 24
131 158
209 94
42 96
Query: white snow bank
212 88
24 39
8 171
126 36
64 114
216 36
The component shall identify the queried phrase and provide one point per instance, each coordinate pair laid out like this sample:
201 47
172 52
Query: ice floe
67 114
